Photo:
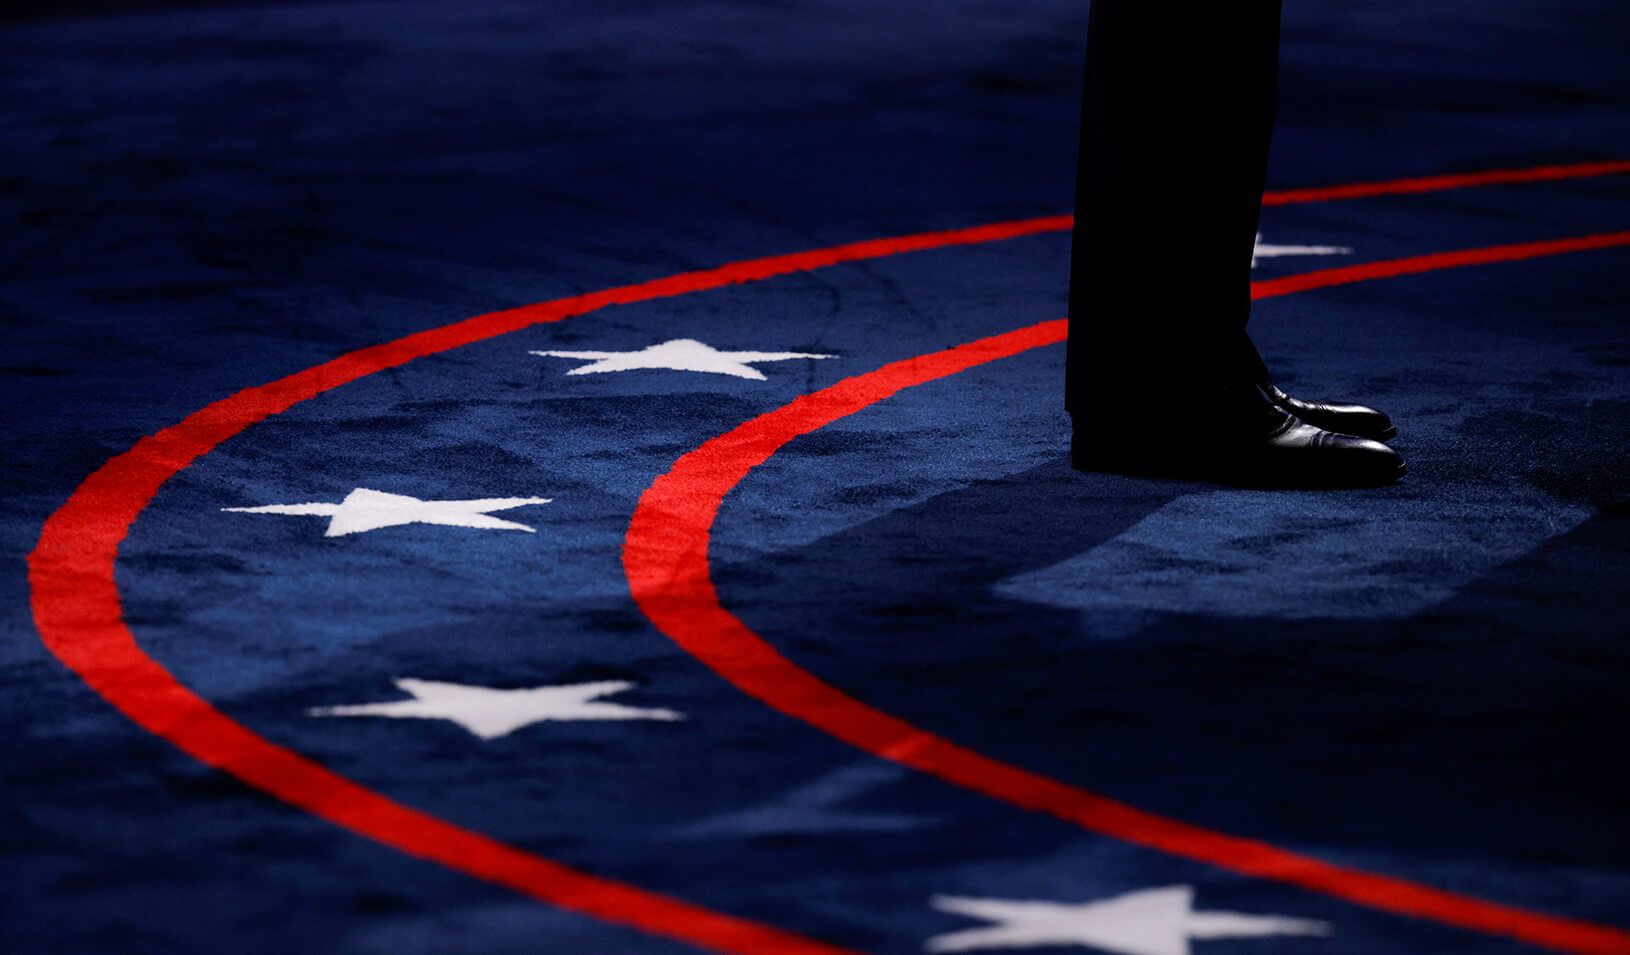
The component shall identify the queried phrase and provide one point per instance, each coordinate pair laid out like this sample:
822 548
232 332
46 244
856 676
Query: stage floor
591 477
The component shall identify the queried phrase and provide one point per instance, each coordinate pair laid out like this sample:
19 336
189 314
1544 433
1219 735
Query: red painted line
665 555
1399 187
1364 271
77 608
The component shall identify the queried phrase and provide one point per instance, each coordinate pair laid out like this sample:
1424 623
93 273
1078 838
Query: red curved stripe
77 609
1400 187
1437 261
76 606
665 555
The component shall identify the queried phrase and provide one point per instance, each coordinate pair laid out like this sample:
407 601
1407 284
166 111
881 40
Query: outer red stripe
665 556
77 609
1398 187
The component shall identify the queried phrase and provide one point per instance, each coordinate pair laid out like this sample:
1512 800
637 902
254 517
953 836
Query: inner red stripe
1437 261
665 556
1399 187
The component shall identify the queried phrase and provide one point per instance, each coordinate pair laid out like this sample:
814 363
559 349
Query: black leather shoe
1355 420
1294 454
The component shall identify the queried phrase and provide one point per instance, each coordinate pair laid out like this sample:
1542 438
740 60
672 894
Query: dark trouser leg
1176 121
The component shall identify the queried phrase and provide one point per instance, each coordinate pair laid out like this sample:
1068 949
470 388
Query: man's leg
1177 118
1176 122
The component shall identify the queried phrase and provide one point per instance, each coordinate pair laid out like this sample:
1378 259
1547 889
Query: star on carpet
680 354
491 713
365 509
1148 922
1264 250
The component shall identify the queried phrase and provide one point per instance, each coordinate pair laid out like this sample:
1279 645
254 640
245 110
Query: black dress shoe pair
1280 442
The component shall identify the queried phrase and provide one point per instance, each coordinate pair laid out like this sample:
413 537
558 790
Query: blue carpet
1425 681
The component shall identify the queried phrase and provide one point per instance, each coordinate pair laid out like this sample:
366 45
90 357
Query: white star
1265 251
1149 922
490 713
680 354
365 509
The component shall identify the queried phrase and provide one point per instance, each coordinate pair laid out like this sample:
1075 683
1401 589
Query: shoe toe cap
1370 460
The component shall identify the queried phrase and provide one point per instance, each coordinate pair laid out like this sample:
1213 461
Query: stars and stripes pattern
590 478
1156 921
448 693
